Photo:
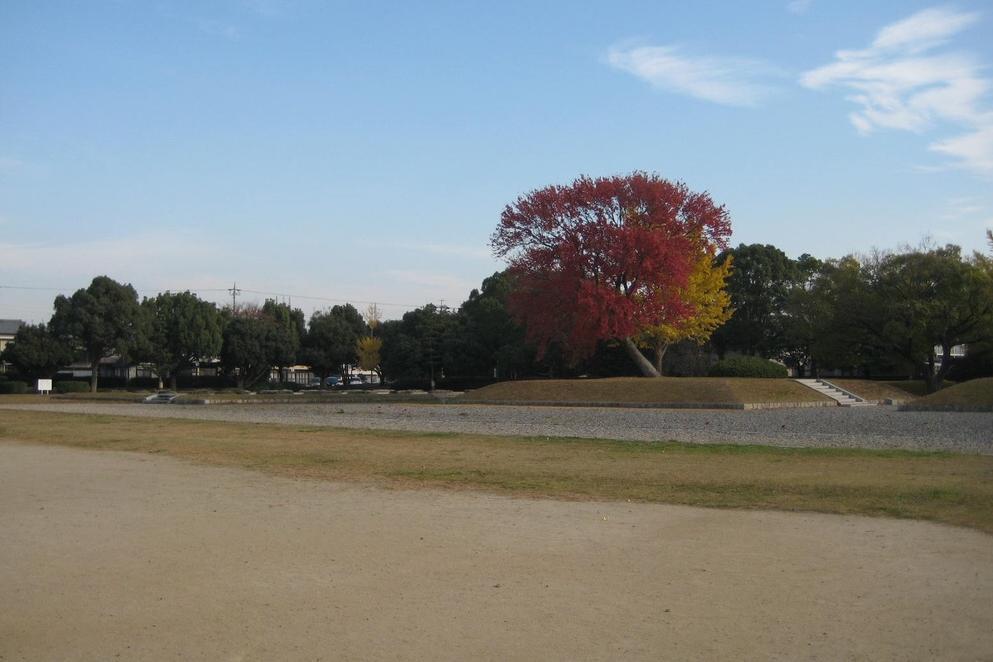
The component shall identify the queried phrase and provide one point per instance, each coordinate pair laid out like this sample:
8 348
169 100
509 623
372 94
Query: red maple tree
604 258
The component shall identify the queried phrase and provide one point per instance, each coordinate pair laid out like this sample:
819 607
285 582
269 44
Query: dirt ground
108 555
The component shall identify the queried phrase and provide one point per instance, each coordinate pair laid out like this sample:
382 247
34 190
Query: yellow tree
368 350
706 293
373 318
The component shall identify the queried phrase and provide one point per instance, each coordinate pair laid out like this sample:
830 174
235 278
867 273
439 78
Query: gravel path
836 427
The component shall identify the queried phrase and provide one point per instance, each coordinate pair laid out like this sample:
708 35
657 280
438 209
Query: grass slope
950 488
973 394
661 390
881 390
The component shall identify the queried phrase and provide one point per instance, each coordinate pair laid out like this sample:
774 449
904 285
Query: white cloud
437 282
131 256
962 206
725 80
799 6
974 149
218 29
454 250
923 30
900 82
265 8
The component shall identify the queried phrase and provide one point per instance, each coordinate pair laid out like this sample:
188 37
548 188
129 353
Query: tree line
609 276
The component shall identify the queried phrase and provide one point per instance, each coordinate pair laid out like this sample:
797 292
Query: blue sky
364 151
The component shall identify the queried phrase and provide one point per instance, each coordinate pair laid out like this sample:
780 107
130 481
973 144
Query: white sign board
44 385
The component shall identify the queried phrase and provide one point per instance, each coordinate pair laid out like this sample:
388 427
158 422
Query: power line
234 291
234 296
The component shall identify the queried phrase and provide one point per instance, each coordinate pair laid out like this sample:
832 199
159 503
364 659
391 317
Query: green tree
100 321
332 339
36 353
420 346
247 347
759 285
919 301
182 329
489 341
290 329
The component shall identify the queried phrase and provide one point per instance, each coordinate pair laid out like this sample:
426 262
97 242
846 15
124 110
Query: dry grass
955 489
881 390
661 390
975 393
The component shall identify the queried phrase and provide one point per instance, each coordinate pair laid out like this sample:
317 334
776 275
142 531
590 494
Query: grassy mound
975 394
640 390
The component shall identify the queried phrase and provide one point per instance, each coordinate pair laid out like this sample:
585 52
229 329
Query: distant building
957 352
8 329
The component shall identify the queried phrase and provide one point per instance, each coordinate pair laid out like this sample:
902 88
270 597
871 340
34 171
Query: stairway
840 395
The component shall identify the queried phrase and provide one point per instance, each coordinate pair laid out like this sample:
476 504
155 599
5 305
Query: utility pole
234 296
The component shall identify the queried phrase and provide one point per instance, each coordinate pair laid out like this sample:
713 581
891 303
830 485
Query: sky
363 151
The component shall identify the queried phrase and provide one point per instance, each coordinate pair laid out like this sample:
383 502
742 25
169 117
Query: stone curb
653 405
964 409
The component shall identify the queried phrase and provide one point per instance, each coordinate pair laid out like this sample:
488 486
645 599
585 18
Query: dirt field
107 554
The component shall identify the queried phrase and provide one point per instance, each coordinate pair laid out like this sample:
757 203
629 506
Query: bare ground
106 554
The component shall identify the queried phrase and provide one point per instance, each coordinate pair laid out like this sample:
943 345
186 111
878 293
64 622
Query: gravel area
836 427
132 556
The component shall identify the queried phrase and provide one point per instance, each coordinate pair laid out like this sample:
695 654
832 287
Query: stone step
839 395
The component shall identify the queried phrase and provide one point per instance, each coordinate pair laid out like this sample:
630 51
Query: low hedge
13 388
71 387
747 366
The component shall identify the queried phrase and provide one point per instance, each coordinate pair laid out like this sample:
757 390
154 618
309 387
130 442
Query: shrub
144 383
206 381
747 366
71 387
13 388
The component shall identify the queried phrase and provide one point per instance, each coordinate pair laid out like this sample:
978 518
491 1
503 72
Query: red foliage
603 258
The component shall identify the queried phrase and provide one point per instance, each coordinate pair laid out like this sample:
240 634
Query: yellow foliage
368 351
705 292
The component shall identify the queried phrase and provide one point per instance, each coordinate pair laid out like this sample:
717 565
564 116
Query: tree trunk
94 373
660 350
946 363
646 367
173 380
931 379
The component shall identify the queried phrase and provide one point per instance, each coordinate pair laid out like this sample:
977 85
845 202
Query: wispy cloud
434 284
266 8
903 81
8 163
731 81
799 6
962 207
467 252
127 255
218 29
454 250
